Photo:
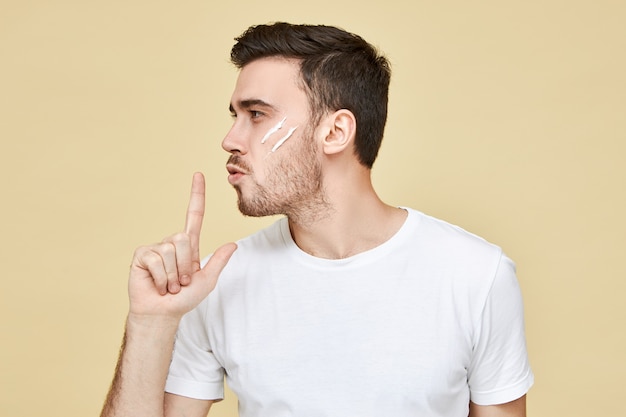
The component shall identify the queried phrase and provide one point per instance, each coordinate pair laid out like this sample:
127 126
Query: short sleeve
194 370
500 371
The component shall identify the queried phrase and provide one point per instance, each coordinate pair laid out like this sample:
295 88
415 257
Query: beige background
507 118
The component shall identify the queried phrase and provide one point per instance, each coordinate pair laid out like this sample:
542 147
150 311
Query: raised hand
165 278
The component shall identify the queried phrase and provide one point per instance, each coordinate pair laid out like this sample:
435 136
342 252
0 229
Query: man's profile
346 306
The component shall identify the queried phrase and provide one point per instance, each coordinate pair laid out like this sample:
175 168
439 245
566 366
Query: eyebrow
246 104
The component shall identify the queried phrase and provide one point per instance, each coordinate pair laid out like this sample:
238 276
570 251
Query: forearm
165 282
138 386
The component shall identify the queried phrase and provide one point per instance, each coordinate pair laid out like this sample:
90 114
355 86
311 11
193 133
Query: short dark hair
340 70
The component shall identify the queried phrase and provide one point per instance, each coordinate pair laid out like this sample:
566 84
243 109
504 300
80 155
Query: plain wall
506 118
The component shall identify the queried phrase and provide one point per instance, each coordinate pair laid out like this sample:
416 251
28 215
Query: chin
261 201
255 208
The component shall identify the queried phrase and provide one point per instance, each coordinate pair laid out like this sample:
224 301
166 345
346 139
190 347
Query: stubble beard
294 188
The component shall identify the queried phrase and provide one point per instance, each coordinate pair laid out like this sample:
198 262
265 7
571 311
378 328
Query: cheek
273 130
282 140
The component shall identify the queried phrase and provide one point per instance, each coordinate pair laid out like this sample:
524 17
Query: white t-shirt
417 326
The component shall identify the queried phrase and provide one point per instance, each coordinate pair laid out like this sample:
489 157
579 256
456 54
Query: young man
346 306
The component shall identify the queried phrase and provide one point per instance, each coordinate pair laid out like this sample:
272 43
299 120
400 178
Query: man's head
338 70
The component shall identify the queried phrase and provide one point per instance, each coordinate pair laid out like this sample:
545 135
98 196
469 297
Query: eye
255 114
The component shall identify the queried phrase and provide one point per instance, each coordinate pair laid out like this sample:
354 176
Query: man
345 307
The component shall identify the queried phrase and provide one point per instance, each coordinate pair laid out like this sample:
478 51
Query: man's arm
515 408
139 382
165 282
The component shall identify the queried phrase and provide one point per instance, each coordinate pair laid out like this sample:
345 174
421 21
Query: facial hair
294 185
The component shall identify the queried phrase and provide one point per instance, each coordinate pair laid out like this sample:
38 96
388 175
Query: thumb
213 268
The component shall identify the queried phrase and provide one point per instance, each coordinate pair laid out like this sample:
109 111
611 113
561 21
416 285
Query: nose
234 141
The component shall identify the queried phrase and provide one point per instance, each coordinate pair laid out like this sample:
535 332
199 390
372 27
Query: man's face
274 163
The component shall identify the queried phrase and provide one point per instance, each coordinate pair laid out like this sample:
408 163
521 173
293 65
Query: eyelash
254 114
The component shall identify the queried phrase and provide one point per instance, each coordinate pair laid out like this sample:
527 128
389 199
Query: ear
340 131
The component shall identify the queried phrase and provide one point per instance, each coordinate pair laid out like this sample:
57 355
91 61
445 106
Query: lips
236 169
236 165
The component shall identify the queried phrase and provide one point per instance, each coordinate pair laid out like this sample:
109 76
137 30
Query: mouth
235 173
235 169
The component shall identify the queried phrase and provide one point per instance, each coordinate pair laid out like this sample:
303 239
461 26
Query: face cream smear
273 130
284 138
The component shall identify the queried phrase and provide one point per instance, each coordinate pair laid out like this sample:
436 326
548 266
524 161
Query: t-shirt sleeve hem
504 395
195 389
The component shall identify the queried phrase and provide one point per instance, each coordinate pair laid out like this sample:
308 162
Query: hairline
316 110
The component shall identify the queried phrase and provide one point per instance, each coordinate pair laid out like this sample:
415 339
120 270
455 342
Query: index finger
195 213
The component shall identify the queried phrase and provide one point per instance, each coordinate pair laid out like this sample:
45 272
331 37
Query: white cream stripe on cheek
283 139
273 130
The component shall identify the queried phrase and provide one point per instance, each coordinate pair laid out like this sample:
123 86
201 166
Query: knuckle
167 248
180 238
151 259
141 251
176 239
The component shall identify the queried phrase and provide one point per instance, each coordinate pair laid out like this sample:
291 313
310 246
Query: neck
352 220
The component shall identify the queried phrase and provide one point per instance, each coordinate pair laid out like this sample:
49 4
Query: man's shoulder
463 258
438 233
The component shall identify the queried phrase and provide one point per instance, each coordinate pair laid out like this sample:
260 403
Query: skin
165 282
314 179
287 181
